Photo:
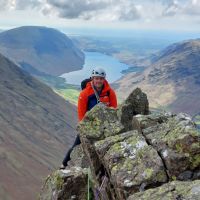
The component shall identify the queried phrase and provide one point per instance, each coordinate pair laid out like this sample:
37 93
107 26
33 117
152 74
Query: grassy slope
67 91
69 94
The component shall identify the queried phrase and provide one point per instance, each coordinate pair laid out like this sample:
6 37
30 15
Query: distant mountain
41 50
36 128
172 79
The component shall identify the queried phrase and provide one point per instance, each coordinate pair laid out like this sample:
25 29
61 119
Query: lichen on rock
189 190
65 184
141 154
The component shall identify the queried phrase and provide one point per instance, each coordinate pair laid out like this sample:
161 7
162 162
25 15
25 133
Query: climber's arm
82 105
113 99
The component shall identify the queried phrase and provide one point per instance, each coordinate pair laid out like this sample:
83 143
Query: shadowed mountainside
41 50
36 128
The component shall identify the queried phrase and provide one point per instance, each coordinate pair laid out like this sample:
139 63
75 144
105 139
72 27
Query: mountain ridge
171 81
45 49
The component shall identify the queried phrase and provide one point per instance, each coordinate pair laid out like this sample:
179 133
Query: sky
169 15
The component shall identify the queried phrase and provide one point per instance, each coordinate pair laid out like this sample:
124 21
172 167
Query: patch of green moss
179 148
134 139
194 132
128 165
116 148
161 176
148 172
174 178
124 164
114 168
195 160
195 146
174 134
59 181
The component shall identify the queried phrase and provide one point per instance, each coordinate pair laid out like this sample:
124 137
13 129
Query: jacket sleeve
82 105
113 99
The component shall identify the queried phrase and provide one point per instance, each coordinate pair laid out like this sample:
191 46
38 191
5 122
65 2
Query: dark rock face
135 150
136 103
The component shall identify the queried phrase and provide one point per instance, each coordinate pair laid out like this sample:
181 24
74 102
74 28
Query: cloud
23 4
108 10
129 11
75 8
172 8
182 7
192 8
4 4
93 9
20 4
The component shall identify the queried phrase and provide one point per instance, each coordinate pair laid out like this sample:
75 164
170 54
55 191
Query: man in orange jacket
97 90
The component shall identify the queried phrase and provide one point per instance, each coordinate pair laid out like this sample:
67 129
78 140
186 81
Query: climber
95 90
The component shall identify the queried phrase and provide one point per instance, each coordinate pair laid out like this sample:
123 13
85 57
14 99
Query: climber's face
98 81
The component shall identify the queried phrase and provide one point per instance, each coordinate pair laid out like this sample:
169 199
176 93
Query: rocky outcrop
137 154
136 103
175 139
171 191
70 183
65 184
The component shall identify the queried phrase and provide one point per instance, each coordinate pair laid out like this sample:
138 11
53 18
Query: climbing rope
100 191
96 94
88 183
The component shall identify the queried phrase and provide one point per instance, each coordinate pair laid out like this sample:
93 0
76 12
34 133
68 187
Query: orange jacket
87 98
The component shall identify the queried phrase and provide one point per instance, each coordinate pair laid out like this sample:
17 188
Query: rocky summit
131 153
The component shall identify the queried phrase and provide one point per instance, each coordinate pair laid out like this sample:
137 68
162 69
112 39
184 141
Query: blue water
112 66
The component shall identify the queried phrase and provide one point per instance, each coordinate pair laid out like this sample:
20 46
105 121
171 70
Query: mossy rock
174 190
65 184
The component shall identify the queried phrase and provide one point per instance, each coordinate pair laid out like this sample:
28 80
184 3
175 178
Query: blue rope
88 183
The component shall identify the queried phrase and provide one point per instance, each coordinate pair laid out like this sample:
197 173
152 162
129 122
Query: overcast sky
133 14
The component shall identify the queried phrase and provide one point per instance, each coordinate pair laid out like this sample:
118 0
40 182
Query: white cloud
192 8
4 4
110 10
172 9
93 9
129 13
81 9
182 7
20 4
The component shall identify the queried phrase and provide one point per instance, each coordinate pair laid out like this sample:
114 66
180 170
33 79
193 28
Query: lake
112 66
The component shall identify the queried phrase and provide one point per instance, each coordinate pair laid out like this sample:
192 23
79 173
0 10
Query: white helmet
98 72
